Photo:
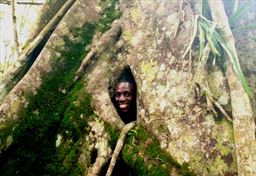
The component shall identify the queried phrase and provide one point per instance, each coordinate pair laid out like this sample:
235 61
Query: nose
122 97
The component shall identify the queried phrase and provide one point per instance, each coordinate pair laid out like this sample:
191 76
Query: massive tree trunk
59 118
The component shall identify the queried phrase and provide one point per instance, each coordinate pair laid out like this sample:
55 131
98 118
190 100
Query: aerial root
126 128
111 35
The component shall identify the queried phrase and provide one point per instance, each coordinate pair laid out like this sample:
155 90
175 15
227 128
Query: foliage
240 12
113 134
210 33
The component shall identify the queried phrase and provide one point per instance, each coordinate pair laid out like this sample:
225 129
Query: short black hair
126 76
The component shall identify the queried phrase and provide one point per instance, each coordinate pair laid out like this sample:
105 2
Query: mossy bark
54 53
64 99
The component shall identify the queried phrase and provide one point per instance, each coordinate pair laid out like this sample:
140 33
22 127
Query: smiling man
125 96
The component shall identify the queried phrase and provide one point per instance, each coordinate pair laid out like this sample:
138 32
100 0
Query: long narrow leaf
235 62
216 42
201 39
247 27
209 37
240 11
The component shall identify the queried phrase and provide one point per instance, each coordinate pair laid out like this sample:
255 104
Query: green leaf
210 38
240 11
235 62
202 40
216 43
247 27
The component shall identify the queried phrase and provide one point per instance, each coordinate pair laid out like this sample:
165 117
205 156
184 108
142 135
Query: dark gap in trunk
123 94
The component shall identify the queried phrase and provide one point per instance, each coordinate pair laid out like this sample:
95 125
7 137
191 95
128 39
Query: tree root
243 122
210 97
119 146
6 81
110 36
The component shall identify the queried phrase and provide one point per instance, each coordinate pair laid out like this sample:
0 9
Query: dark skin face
124 96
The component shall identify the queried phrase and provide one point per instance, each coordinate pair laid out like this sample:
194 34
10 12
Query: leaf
240 11
235 62
247 27
210 38
216 43
201 40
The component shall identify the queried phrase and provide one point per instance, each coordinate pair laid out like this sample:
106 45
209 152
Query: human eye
117 94
127 94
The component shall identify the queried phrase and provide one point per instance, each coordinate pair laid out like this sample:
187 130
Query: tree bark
48 11
243 122
15 71
18 98
66 101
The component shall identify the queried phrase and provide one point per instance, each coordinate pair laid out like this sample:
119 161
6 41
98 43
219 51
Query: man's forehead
124 85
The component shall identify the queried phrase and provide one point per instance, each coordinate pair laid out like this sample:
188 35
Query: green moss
110 13
142 152
113 135
76 114
52 111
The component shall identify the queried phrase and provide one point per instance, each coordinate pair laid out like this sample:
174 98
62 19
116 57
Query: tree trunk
59 119
15 72
243 122
48 11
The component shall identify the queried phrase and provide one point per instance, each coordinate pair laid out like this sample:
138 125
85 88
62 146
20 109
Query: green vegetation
113 134
236 15
51 111
208 32
142 152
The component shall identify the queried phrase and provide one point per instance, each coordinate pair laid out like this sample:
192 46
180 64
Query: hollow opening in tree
94 155
124 95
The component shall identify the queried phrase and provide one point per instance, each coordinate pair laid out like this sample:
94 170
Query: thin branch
15 32
8 2
210 96
119 146
243 122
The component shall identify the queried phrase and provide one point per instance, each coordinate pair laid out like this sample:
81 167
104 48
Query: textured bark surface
176 131
156 35
16 71
18 97
243 122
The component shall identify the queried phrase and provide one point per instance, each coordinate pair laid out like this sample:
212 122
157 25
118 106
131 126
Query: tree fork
20 96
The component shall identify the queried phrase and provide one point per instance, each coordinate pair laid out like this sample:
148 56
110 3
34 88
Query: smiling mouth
124 107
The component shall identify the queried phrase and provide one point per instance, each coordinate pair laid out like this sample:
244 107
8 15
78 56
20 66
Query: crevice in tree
94 155
125 76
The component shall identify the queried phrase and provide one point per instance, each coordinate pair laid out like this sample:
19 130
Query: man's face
124 96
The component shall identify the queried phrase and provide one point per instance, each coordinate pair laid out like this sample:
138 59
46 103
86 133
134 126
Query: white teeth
123 105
